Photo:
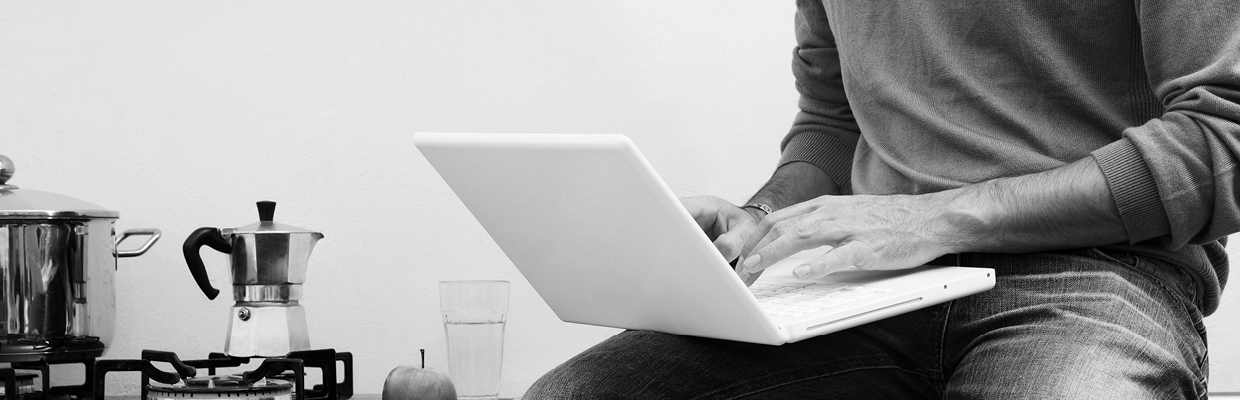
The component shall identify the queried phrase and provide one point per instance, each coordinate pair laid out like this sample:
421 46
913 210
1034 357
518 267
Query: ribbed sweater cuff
1134 190
825 151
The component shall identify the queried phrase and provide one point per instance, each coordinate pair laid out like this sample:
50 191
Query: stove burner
216 380
223 386
258 383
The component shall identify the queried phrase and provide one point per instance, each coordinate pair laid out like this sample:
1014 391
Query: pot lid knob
266 211
7 168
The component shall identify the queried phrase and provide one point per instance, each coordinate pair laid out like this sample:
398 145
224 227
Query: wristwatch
760 207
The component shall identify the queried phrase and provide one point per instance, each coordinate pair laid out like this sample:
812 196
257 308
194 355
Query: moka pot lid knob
266 224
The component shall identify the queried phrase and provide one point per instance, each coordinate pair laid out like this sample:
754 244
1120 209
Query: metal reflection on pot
57 271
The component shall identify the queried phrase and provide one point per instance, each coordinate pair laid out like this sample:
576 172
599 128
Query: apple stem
423 358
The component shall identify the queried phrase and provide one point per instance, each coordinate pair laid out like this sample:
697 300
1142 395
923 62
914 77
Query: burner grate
289 368
17 387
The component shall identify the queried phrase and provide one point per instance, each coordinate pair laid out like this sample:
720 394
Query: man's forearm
1067 207
793 183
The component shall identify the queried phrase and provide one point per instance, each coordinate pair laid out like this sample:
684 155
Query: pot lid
16 203
266 223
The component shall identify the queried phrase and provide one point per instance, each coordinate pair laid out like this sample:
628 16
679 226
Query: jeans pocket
1172 287
1170 278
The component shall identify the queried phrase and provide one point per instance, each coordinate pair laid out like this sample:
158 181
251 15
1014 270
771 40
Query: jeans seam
1203 366
942 346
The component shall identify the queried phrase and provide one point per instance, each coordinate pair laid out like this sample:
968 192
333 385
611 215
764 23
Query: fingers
736 226
729 244
727 225
791 237
775 247
853 253
776 223
717 217
744 275
703 209
749 278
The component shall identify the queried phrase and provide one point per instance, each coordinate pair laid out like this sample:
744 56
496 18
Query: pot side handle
152 232
209 237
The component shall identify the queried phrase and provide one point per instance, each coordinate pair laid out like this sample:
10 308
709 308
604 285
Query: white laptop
604 241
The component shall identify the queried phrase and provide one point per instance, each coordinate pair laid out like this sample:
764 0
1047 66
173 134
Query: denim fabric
1082 324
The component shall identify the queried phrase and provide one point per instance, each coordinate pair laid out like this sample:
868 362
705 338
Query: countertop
355 397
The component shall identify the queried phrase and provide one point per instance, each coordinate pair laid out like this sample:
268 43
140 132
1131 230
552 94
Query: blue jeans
1088 324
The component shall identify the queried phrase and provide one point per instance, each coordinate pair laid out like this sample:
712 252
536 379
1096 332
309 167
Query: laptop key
793 301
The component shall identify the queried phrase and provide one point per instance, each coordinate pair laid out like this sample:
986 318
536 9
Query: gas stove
281 378
31 358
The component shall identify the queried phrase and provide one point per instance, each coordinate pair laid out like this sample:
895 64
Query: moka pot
268 262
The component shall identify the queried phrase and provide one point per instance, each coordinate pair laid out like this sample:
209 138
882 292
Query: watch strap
759 206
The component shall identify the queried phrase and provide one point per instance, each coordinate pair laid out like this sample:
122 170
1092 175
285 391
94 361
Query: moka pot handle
204 236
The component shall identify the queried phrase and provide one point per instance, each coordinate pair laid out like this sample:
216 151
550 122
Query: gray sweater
923 96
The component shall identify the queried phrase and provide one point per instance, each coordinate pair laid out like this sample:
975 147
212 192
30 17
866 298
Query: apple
407 382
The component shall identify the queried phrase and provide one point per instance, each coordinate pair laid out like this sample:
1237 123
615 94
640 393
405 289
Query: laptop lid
595 231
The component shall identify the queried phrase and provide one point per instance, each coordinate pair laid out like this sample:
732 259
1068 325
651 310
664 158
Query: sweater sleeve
1174 178
824 132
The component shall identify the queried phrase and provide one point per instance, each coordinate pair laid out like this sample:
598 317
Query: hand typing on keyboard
726 225
869 232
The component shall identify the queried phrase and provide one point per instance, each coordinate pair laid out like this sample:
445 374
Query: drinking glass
473 318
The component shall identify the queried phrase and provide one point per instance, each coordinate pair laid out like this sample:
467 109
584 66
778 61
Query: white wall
182 114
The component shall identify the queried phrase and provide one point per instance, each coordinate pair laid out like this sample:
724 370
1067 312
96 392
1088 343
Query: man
1084 149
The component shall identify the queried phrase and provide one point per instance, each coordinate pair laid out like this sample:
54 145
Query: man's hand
726 224
729 226
1065 207
870 232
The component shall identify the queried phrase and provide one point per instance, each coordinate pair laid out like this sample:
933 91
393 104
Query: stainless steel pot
57 268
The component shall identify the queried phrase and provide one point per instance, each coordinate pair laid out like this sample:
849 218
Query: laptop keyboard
797 300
